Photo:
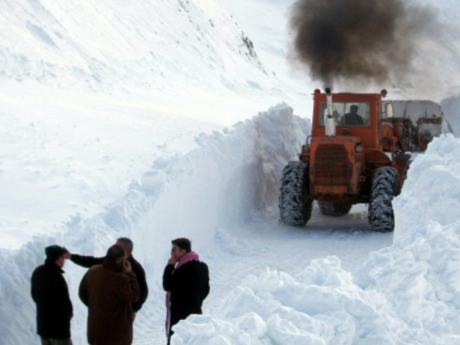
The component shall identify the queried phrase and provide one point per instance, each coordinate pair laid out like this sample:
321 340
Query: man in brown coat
109 290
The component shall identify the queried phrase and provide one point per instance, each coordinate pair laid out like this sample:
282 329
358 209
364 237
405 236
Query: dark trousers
51 341
169 337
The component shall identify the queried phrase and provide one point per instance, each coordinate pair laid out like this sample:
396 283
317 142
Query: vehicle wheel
384 188
334 209
294 202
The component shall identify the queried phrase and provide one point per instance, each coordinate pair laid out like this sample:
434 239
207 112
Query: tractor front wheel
384 187
295 203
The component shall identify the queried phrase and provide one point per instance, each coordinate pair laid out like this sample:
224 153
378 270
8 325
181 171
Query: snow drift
405 294
231 176
420 273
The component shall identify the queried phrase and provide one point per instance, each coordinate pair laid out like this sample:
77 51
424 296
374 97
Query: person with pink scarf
186 282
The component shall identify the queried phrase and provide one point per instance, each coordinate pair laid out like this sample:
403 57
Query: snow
92 93
96 43
320 305
138 120
407 293
223 195
150 208
426 245
271 37
149 51
68 157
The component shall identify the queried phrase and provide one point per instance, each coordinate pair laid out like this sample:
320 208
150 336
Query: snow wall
233 175
408 293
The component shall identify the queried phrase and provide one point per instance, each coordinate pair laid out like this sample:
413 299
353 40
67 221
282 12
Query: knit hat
54 252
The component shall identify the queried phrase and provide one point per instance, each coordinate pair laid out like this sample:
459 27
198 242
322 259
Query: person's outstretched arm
86 261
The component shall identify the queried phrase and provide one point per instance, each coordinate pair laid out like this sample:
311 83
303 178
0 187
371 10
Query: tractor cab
345 134
354 115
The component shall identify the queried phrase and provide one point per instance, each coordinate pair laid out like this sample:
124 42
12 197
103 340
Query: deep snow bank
229 177
420 273
408 293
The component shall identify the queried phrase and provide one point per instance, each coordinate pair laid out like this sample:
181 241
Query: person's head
57 255
354 109
126 244
180 247
114 258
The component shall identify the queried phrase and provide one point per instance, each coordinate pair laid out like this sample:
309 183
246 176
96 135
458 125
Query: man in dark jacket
109 290
51 295
138 270
352 118
186 281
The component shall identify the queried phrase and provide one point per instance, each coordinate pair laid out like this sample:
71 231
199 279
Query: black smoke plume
356 40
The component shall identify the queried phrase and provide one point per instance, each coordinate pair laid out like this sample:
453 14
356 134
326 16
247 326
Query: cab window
348 114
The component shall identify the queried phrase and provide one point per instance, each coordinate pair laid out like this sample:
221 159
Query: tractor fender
376 158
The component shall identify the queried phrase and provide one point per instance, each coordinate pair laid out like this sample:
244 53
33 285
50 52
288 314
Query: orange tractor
358 152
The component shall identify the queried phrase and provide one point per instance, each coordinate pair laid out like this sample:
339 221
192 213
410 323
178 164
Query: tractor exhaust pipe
330 124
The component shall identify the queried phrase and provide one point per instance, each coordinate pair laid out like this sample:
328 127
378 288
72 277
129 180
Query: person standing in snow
138 270
51 295
109 291
186 282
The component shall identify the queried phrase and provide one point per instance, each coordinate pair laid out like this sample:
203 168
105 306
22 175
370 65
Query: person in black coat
186 281
352 118
51 295
138 270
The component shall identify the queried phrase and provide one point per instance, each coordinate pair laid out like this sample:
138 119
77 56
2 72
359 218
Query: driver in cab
352 118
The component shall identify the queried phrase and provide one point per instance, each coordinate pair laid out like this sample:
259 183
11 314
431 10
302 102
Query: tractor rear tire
385 185
334 209
294 203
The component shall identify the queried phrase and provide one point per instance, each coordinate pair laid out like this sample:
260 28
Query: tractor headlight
359 148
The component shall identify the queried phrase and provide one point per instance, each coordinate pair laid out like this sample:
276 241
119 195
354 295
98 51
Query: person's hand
172 261
67 256
126 266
